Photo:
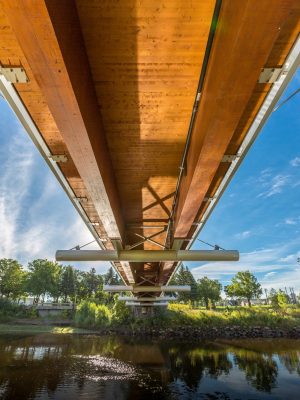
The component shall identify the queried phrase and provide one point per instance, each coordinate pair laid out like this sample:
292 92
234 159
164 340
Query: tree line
207 291
243 286
44 278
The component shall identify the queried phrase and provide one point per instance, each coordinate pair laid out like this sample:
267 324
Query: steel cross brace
147 239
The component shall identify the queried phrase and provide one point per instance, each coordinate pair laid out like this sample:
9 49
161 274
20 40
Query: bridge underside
144 107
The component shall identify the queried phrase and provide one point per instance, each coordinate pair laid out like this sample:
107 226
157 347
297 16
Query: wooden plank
245 35
50 36
286 39
145 60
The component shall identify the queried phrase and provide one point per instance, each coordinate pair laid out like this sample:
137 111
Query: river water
48 366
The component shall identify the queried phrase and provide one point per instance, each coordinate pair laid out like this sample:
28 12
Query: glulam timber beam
244 37
49 33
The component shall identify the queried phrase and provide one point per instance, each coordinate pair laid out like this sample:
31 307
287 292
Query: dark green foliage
279 299
43 279
111 278
121 313
68 283
97 308
185 277
244 285
9 310
90 283
48 278
93 281
209 291
92 315
12 279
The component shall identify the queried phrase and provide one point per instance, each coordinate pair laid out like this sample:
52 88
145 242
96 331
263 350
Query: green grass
7 328
179 314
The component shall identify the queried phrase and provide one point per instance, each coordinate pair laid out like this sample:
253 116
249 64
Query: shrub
9 309
121 313
103 316
179 307
91 315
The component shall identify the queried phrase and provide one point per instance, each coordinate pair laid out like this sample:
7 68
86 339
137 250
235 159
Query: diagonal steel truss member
147 239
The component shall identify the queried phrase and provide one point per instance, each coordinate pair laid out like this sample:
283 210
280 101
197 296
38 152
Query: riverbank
177 322
227 332
41 328
179 333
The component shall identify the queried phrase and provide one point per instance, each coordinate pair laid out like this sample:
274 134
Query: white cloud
243 235
290 258
279 270
14 182
276 185
36 218
295 162
290 221
265 175
272 273
289 278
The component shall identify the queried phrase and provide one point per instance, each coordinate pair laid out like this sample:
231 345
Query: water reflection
260 370
60 367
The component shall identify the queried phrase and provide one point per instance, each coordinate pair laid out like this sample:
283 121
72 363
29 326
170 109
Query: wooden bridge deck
142 100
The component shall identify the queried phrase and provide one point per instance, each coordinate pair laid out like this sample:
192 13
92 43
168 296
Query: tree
88 284
185 277
273 298
283 298
55 283
12 278
93 281
43 278
209 291
244 285
111 277
81 288
68 283
279 299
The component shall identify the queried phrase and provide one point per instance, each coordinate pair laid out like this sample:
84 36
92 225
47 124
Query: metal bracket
270 75
177 243
117 243
14 74
94 223
229 157
209 198
197 224
81 199
59 158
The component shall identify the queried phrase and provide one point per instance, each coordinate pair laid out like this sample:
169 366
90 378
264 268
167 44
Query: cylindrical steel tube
147 255
151 299
140 288
128 303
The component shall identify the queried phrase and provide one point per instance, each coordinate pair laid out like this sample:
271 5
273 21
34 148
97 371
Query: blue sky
259 214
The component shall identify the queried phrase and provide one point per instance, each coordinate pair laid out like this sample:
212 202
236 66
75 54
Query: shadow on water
69 366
